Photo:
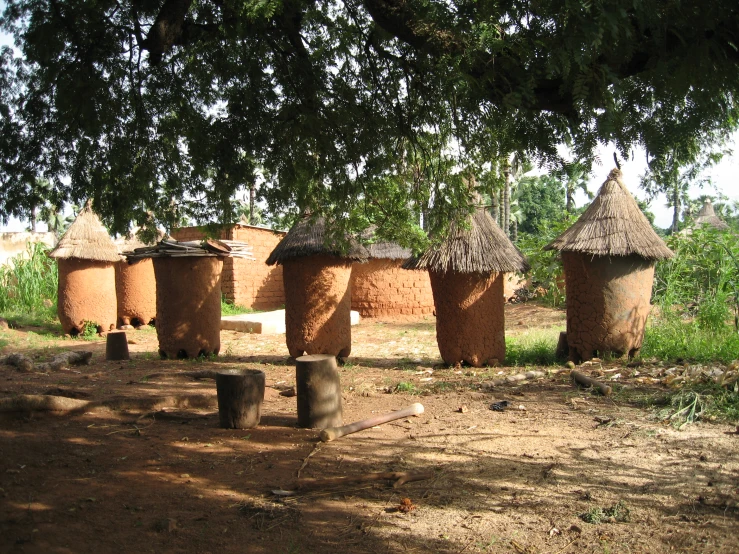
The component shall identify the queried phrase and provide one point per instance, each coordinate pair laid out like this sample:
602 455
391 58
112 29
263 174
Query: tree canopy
158 108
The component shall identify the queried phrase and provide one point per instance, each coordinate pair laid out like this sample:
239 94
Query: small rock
289 393
522 408
141 327
132 341
463 409
125 327
570 365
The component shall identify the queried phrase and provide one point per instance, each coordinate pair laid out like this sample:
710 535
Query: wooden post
116 346
240 396
318 388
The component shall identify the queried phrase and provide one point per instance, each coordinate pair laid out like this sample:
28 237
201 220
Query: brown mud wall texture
136 288
318 306
607 303
188 319
381 288
470 321
86 293
248 283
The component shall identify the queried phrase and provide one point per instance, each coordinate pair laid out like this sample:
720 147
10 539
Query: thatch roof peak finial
86 239
481 248
613 225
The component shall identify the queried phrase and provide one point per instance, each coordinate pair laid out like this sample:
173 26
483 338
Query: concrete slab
265 323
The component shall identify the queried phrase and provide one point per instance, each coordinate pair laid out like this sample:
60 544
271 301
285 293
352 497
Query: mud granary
86 258
609 256
316 275
467 272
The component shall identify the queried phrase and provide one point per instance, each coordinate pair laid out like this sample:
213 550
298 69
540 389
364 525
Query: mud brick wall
248 283
381 288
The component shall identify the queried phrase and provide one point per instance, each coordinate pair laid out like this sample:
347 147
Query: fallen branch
399 478
62 405
206 374
59 362
316 448
585 381
19 361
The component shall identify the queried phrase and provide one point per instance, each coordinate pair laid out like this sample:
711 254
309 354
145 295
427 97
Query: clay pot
188 317
470 318
136 289
318 306
86 293
607 304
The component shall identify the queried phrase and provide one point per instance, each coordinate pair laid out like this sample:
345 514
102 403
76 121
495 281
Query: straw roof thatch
86 239
613 225
706 216
383 250
308 238
481 248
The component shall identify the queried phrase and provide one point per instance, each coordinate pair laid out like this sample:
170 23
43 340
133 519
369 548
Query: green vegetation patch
618 513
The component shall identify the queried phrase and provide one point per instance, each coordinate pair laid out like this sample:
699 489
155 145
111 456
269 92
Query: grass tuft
534 348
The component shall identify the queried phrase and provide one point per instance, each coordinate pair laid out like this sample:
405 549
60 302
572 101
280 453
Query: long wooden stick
584 380
333 433
399 477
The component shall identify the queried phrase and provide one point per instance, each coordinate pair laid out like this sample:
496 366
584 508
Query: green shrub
227 308
546 274
28 284
701 281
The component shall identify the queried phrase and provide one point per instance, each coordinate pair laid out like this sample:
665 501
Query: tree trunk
507 201
675 207
318 387
514 230
569 200
240 396
251 204
495 207
501 210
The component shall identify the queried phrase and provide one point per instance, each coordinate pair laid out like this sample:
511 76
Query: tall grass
670 339
532 349
28 284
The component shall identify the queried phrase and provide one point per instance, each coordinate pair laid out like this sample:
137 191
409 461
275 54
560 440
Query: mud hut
316 278
135 286
188 293
608 257
707 216
381 287
467 272
86 257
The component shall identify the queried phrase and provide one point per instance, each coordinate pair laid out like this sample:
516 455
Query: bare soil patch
170 480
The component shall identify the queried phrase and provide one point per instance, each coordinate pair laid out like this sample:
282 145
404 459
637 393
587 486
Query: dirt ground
516 480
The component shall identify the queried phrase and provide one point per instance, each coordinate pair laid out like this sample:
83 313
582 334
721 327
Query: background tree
541 200
574 176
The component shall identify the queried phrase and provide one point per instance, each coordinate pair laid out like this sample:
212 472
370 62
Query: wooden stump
240 396
116 346
319 391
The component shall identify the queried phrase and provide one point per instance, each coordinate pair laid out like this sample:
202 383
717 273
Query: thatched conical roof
613 225
481 248
86 239
706 216
308 238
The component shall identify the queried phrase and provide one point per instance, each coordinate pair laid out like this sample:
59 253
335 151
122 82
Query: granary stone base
86 293
607 304
470 320
382 288
136 289
188 299
317 306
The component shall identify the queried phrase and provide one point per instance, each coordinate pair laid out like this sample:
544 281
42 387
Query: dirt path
511 481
